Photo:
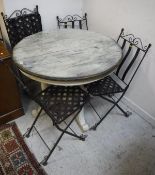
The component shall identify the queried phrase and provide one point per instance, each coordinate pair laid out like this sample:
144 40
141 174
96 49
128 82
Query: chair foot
128 113
44 161
83 137
27 134
94 127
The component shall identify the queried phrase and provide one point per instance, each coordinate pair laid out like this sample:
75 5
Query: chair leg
44 161
114 104
126 113
97 124
95 110
81 137
27 134
74 134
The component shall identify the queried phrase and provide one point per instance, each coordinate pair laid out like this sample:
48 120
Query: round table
67 57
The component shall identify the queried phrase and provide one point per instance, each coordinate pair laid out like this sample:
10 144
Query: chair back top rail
72 19
132 48
136 41
22 23
18 13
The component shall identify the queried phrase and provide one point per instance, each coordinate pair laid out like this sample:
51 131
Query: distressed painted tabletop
67 56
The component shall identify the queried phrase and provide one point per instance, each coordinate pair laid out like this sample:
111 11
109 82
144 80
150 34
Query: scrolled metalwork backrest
22 23
73 21
133 53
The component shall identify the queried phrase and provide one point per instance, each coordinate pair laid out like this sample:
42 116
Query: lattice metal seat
133 54
106 86
61 102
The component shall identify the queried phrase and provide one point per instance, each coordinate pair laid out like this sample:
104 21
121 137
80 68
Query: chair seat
106 86
61 102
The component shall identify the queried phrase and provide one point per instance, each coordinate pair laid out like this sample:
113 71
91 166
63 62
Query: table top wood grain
67 56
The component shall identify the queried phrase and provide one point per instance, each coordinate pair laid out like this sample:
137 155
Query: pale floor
120 146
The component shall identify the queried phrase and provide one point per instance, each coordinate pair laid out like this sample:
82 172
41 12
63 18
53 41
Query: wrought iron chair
22 23
74 21
59 103
118 83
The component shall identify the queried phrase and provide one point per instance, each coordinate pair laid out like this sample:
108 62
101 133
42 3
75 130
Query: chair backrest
22 23
74 21
134 53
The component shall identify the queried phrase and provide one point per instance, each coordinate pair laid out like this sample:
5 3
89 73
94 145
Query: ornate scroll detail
133 40
74 18
18 13
67 18
77 17
22 23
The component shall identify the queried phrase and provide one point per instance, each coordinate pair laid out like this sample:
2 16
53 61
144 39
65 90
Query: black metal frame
63 131
71 20
73 100
108 87
22 23
45 105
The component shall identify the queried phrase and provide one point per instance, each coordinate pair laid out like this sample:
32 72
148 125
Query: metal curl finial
18 13
133 40
70 18
66 18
